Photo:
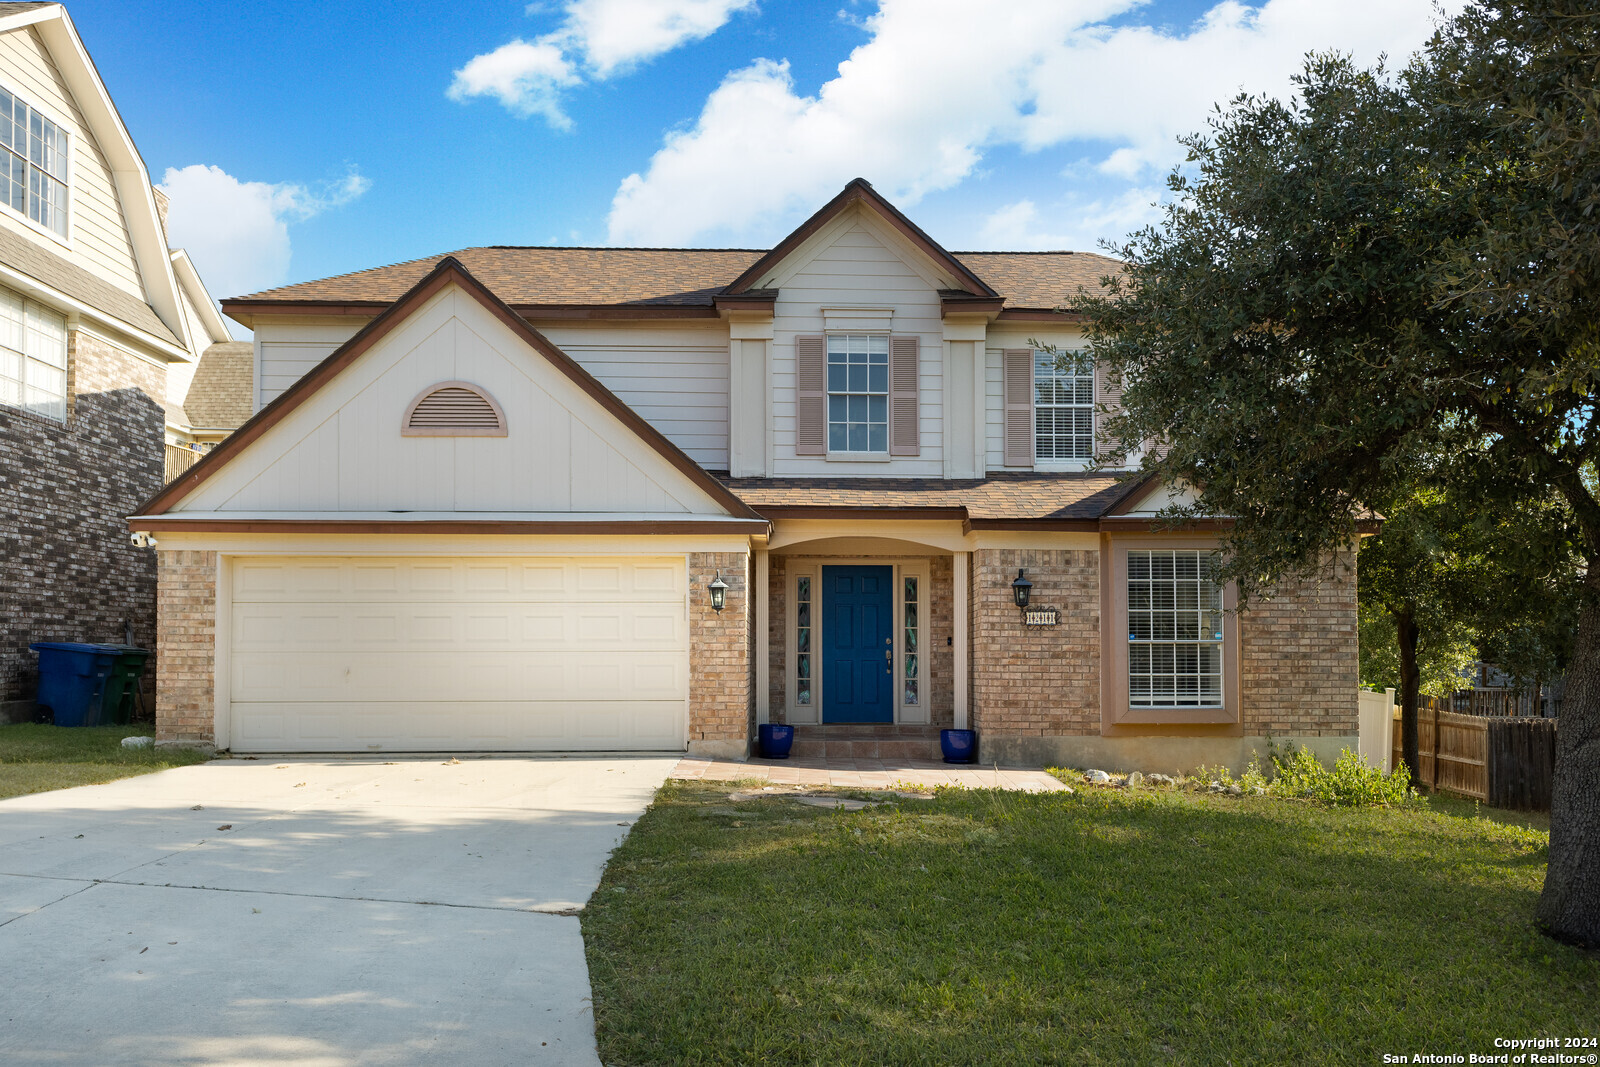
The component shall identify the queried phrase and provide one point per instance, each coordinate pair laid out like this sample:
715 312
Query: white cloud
600 37
1076 223
237 233
942 81
526 78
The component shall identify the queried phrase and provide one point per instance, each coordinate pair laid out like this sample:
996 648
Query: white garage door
372 654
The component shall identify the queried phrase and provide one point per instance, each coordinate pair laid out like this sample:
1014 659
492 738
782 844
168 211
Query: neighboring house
214 403
94 310
488 498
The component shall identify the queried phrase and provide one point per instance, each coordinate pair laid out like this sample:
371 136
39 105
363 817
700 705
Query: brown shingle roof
24 255
670 277
1002 495
219 395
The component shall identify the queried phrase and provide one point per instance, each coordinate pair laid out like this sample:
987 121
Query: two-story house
614 498
94 310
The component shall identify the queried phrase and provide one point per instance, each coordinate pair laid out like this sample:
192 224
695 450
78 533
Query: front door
858 651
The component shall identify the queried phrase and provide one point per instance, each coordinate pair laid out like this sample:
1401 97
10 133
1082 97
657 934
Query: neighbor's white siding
98 231
857 268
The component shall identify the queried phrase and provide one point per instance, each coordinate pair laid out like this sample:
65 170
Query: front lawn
1103 927
36 758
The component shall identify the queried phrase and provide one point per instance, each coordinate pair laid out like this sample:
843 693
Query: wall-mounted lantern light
1020 590
719 592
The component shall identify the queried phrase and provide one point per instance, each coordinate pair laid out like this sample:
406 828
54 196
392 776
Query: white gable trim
914 258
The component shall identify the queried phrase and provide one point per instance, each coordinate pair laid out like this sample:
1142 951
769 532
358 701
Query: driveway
325 912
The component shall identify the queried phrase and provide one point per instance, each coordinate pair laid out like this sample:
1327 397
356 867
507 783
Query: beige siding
341 450
285 351
675 376
858 268
99 239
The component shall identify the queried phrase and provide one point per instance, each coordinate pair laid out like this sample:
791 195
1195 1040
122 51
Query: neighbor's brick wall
67 569
186 653
1297 666
721 671
1036 681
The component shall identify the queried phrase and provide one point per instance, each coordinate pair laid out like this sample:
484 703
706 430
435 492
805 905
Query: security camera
144 540
138 540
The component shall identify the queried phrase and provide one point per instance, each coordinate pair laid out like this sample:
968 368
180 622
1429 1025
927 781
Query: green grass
1104 927
35 758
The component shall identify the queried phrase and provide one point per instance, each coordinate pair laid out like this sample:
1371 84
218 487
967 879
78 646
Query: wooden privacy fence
1505 762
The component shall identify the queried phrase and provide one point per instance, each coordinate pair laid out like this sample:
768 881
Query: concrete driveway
325 912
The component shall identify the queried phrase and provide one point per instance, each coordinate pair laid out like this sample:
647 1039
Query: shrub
1351 783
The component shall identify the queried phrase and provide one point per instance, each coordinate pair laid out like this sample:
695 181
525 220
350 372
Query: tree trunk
1405 628
1569 908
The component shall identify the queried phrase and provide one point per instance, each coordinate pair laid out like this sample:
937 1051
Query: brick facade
186 611
1036 681
721 673
67 570
1297 667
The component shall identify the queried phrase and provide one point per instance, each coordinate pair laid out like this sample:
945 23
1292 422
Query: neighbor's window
1063 406
1174 629
33 167
33 357
858 393
912 628
802 640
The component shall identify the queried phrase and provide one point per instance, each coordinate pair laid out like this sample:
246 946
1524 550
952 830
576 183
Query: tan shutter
1018 387
811 397
1107 395
905 436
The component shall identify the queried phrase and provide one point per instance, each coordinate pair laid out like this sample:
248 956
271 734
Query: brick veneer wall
67 569
1036 681
721 671
186 653
1298 670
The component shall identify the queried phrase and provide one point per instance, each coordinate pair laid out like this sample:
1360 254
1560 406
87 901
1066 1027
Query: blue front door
857 650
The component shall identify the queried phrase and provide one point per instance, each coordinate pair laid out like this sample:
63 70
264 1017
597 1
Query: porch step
886 741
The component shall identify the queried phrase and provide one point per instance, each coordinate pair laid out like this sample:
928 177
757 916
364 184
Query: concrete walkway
867 774
317 912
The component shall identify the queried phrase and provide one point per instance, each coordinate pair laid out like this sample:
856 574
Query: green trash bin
122 685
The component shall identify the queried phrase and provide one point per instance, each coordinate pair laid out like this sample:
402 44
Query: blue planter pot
960 746
775 740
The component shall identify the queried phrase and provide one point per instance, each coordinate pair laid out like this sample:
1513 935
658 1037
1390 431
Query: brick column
721 668
186 647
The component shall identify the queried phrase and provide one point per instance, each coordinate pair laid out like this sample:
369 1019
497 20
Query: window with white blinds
1174 629
1063 406
33 357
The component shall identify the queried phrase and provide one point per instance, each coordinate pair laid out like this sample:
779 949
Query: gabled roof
449 271
684 282
128 173
860 191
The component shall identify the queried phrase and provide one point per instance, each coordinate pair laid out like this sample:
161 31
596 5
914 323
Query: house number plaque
1040 616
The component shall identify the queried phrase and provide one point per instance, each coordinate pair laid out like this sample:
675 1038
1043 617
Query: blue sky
302 140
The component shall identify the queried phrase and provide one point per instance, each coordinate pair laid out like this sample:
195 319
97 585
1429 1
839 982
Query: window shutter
905 437
1018 388
811 397
1107 402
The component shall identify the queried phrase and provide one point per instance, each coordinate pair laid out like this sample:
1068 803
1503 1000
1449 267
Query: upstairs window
33 357
33 165
1063 406
858 393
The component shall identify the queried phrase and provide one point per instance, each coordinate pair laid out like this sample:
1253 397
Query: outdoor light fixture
1020 589
719 592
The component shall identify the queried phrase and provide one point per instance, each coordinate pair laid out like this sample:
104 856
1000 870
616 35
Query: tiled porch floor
865 773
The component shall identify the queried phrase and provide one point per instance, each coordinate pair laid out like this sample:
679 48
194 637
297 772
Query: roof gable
762 273
332 442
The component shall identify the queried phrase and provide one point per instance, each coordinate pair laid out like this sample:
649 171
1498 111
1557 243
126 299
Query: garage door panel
367 580
412 726
458 627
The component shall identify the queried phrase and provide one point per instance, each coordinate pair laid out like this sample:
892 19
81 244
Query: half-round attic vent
454 409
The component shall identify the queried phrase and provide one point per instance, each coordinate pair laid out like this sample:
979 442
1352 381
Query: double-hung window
33 164
1063 406
33 357
1174 629
858 393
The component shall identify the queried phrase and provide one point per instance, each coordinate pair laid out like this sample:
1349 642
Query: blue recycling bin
72 680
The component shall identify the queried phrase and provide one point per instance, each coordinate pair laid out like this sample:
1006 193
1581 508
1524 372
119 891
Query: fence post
1434 786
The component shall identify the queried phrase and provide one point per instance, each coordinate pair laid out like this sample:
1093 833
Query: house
597 498
98 317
